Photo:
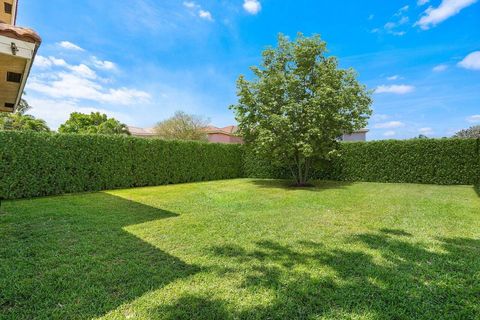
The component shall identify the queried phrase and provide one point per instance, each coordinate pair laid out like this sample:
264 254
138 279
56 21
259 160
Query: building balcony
18 47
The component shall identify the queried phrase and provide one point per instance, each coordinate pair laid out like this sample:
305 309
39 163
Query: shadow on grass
396 232
193 307
288 185
477 188
70 257
404 280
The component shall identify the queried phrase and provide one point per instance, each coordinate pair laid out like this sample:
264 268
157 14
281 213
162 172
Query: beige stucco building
359 135
18 47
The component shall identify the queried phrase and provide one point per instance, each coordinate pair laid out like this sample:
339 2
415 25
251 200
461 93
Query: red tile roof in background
228 130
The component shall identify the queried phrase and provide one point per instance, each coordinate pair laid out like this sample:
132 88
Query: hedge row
434 161
39 164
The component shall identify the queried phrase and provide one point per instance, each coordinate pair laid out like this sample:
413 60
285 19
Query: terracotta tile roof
20 33
141 132
228 130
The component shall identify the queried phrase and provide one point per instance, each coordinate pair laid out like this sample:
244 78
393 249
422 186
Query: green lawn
244 249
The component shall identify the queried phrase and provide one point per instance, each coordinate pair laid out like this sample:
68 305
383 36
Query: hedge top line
127 137
36 164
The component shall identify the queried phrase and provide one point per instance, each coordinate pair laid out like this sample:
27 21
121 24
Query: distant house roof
141 132
19 33
364 130
150 132
228 130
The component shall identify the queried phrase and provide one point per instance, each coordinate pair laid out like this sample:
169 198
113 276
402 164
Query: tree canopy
93 123
20 121
472 132
298 104
182 126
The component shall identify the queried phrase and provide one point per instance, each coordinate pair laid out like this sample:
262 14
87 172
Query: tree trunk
301 173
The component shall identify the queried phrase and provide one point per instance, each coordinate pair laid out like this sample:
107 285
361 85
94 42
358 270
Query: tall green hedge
41 164
35 164
434 161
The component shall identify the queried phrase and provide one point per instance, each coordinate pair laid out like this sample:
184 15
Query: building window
8 7
14 77
9 105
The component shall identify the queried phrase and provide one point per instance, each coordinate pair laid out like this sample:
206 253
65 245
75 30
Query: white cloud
57 111
47 62
42 62
252 6
422 2
448 8
70 46
389 125
190 4
205 15
425 131
440 68
471 61
74 86
403 20
58 62
380 117
474 119
403 9
79 82
395 77
395 89
83 71
391 27
389 133
103 64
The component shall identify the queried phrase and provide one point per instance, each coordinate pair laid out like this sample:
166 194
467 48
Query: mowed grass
244 249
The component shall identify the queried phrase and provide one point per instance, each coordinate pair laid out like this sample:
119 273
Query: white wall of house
356 136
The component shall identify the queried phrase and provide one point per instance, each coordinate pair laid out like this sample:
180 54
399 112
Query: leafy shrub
41 164
255 166
434 161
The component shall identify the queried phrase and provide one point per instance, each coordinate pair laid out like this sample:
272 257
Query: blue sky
141 60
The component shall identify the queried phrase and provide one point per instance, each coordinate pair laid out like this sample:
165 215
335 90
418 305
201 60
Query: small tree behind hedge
470 133
93 123
298 105
20 121
182 126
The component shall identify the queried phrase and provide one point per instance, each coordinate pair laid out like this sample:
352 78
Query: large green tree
472 132
21 121
298 104
93 123
182 126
